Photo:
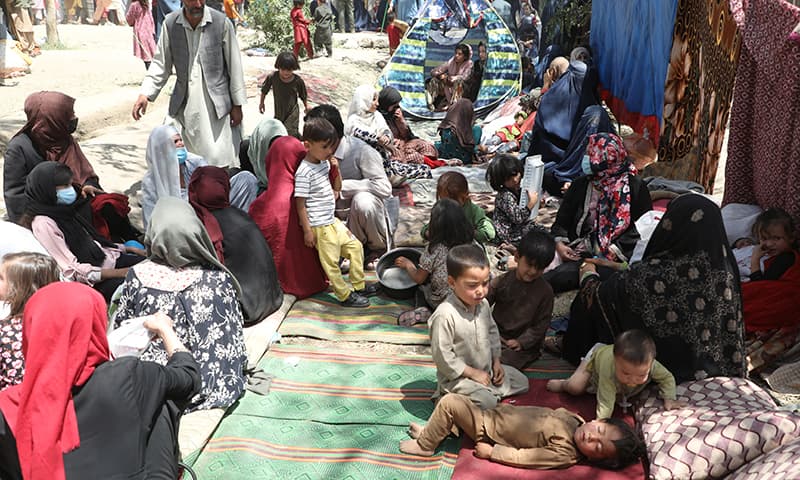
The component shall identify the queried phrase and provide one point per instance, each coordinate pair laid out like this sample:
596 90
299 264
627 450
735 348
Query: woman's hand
566 253
158 323
90 191
135 251
533 199
604 262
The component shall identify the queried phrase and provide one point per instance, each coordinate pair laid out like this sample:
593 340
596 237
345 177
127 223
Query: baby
620 370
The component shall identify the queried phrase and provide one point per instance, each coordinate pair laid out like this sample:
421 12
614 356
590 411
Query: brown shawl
459 118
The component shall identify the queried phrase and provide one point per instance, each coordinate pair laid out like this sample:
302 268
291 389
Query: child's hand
483 450
673 404
309 238
499 373
261 107
566 253
404 263
755 258
477 375
512 344
533 199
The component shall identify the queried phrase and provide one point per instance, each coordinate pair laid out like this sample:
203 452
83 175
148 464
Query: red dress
301 36
274 211
773 304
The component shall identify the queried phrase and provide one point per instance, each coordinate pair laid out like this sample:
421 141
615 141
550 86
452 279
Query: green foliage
271 19
570 26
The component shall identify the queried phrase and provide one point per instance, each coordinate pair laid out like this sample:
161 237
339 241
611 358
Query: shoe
354 300
370 289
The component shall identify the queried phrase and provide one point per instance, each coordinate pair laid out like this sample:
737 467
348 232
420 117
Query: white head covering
359 115
162 178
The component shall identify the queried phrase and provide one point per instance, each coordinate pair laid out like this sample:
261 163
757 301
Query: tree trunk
51 21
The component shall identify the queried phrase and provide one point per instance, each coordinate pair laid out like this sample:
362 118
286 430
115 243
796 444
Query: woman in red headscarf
79 415
275 213
238 243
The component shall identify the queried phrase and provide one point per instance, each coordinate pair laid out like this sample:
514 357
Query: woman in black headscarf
685 293
410 148
52 213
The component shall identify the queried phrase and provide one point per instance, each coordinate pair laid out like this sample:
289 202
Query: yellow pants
334 241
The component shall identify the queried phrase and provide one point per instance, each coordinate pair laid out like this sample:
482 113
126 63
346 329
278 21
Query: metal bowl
396 282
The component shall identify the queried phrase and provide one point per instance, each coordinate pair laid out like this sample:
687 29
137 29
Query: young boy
526 436
523 301
315 206
464 341
619 370
454 185
288 87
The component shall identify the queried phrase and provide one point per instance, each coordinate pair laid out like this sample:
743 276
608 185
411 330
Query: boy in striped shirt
314 183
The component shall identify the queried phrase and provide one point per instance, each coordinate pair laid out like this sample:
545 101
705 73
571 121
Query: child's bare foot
555 385
412 447
414 430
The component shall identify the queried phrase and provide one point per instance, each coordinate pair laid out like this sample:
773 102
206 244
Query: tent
440 26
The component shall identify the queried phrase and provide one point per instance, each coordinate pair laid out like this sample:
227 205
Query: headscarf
209 189
459 118
49 115
686 292
580 52
176 237
63 341
266 131
79 233
610 170
360 117
275 213
557 67
387 97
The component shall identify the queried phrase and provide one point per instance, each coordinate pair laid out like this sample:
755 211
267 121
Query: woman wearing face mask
47 135
170 166
598 214
81 253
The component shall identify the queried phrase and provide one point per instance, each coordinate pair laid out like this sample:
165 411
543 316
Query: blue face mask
586 165
181 152
66 196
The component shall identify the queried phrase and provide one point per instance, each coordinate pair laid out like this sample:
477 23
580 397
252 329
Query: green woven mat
249 448
340 387
321 316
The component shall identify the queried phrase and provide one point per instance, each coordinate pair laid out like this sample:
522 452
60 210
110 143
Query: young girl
459 138
511 221
300 25
140 18
448 227
288 87
771 299
21 274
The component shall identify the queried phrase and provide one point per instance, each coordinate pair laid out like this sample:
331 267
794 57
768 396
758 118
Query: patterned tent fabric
728 423
430 43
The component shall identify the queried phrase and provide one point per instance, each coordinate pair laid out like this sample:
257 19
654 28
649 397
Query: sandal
413 317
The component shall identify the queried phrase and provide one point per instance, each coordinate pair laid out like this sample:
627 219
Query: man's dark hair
462 257
319 130
635 346
329 113
538 248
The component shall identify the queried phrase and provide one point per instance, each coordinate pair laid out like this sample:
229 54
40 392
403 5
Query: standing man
206 104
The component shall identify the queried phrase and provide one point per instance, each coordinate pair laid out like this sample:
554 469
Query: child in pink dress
140 18
300 26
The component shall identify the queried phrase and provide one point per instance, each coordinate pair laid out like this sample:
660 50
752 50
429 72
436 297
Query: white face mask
586 165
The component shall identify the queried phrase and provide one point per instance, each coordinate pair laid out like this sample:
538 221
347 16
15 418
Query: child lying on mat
620 371
531 437
465 343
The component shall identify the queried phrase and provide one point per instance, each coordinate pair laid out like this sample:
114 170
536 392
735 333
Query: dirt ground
97 67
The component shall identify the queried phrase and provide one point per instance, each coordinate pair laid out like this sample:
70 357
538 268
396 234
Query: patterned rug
329 414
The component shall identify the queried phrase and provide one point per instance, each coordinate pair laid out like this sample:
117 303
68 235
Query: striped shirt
312 183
